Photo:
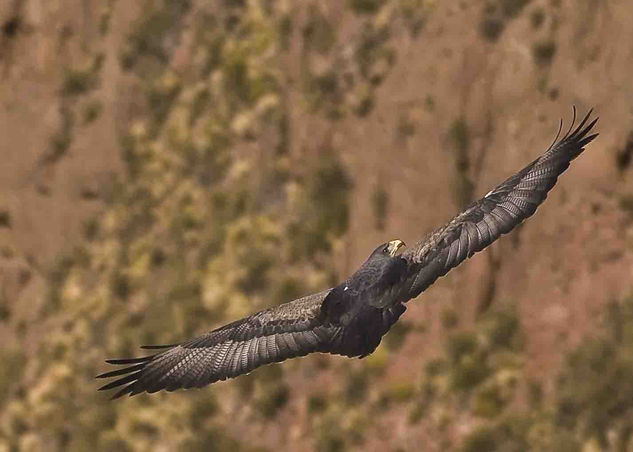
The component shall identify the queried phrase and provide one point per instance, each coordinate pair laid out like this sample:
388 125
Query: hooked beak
394 246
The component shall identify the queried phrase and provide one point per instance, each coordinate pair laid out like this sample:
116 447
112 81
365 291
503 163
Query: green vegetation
624 155
459 135
380 204
595 391
220 212
507 435
449 318
92 111
543 52
397 334
147 45
5 218
318 33
11 26
406 126
366 6
105 17
415 14
5 308
317 403
195 235
476 374
373 54
62 139
479 375
78 81
512 8
82 79
496 14
322 206
13 362
537 18
364 101
429 103
491 28
626 204
342 77
272 400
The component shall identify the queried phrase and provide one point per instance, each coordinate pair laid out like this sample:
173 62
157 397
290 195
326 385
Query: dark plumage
351 319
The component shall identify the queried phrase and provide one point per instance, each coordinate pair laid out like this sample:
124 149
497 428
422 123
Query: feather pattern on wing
497 213
273 335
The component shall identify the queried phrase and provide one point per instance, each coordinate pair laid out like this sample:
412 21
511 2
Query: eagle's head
392 247
388 249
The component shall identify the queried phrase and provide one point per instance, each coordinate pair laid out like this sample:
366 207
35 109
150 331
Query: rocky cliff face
171 165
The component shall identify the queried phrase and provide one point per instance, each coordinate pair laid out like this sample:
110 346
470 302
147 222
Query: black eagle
351 319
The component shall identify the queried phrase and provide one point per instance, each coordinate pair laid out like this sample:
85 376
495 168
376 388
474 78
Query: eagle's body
348 307
351 318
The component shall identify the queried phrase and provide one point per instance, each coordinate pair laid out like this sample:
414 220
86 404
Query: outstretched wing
495 214
273 335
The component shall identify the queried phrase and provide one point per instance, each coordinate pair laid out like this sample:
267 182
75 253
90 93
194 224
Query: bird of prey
351 318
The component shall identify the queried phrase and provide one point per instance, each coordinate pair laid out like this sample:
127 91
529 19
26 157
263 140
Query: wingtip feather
158 347
122 392
123 361
125 370
121 381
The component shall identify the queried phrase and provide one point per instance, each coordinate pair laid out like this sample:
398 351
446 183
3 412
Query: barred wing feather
497 213
273 335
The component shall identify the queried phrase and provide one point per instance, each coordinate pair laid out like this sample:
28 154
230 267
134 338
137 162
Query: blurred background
171 165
